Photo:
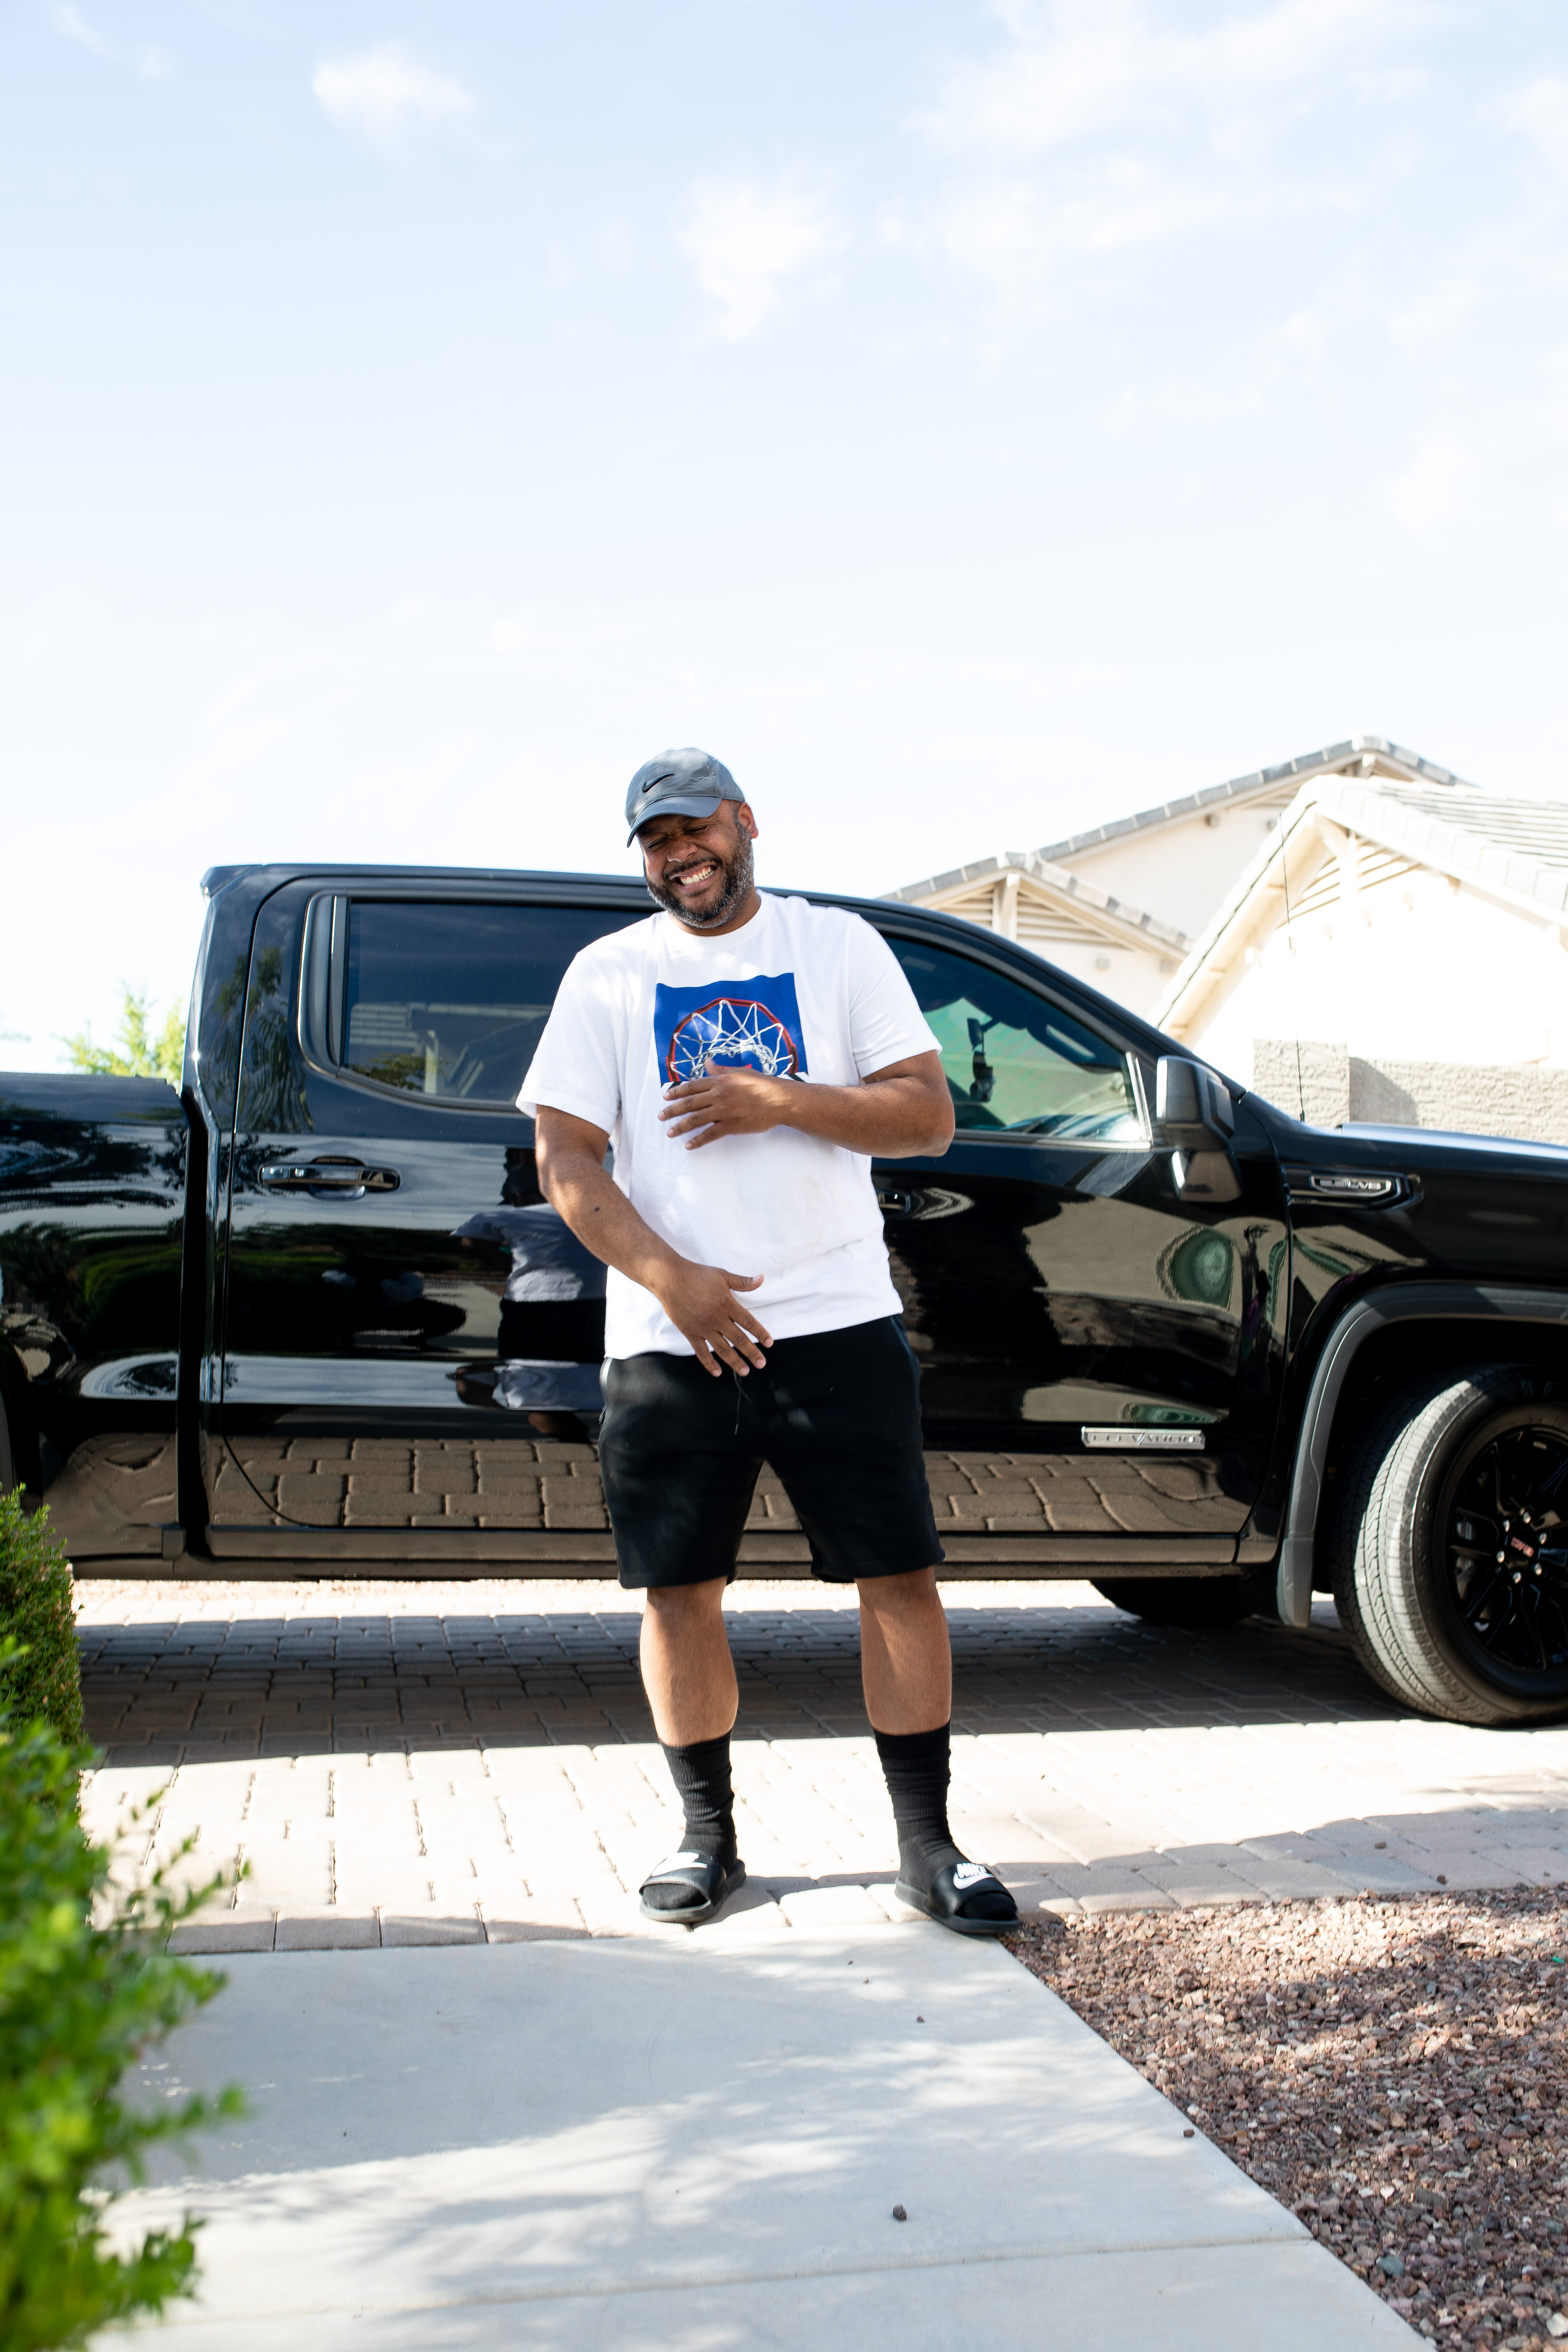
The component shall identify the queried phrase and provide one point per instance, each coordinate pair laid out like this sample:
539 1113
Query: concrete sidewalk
701 2145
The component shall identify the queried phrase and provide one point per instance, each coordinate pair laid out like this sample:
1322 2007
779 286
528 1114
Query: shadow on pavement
170 1691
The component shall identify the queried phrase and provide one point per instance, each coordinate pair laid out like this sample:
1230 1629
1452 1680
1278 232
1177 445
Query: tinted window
1015 1062
451 999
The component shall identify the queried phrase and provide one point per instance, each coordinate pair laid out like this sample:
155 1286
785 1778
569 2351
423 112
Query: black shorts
836 1413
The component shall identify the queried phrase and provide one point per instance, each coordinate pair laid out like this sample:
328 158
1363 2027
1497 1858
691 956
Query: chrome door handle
325 1176
894 1204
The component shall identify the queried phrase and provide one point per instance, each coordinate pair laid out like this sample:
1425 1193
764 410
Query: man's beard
737 872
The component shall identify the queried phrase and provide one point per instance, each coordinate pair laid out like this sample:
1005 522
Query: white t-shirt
809 993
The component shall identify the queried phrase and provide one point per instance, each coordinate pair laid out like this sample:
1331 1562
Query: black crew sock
702 1777
916 1766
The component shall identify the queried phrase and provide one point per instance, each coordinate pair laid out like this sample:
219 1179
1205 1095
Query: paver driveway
553 1487
421 1763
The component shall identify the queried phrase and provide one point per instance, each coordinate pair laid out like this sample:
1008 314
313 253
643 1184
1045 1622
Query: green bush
85 1988
42 1676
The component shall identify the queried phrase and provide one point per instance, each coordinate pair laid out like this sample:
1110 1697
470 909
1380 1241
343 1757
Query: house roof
1515 850
1094 909
1519 845
1371 756
1372 753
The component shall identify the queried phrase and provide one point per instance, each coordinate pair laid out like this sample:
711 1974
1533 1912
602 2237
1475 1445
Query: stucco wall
1327 1084
1125 974
1411 967
1178 872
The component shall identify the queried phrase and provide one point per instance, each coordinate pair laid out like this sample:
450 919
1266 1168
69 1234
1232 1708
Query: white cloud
150 64
745 240
1081 67
1540 113
383 92
1014 230
1301 354
1437 487
1098 128
1436 324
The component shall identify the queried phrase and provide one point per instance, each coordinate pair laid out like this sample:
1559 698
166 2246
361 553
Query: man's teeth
694 877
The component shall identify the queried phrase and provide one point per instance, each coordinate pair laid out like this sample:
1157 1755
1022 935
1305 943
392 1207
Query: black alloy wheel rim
1505 1537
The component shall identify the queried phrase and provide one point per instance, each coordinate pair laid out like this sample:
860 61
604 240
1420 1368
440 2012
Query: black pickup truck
312 1312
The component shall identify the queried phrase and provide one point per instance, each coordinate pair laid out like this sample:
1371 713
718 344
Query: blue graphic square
730 1025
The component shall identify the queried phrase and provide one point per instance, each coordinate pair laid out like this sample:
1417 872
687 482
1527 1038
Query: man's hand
902 1112
726 1102
700 1302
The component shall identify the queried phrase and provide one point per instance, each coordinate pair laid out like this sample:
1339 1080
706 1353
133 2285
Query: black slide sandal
955 1884
710 1884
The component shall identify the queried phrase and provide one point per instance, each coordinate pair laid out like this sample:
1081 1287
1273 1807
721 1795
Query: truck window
450 999
1016 1063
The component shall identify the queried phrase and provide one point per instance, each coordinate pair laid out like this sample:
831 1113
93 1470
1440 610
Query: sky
971 422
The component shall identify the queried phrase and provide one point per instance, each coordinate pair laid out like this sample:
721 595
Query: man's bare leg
692 1690
687 1669
689 1678
906 1664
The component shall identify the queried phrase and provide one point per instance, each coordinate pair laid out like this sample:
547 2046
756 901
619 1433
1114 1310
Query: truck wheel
1448 1546
1200 1601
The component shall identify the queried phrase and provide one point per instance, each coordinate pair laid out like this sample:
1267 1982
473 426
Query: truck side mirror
1196 1119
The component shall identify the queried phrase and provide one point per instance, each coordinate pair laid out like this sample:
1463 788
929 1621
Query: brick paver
400 1763
545 1484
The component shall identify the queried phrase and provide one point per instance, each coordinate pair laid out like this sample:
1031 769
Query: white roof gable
1053 906
1516 851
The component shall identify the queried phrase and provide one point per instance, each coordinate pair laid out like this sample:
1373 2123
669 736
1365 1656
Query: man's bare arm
903 1112
699 1300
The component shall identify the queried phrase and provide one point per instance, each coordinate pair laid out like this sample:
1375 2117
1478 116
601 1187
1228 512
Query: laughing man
747 1057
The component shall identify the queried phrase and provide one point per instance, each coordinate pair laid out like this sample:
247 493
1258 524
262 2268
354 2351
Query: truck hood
1509 1147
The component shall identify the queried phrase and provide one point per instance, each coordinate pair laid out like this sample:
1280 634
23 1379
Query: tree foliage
136 1054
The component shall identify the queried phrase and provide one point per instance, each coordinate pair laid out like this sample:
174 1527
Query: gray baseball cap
679 783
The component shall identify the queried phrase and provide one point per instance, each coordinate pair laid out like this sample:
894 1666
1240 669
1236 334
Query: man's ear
744 821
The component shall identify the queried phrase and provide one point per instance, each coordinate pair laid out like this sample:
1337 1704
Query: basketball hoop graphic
737 1032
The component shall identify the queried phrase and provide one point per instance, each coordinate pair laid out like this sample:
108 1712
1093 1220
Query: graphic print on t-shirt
737 1025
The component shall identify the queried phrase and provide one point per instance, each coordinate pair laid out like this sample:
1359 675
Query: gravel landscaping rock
1391 2070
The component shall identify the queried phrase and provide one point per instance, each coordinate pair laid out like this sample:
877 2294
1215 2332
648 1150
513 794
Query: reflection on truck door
1116 1345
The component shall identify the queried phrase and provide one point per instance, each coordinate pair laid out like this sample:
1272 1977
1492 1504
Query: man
746 1056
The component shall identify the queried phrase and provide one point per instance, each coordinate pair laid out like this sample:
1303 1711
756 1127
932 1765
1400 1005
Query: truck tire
1202 1602
1448 1546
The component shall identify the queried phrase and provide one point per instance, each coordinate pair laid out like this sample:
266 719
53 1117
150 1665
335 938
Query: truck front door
1101 1358
410 1333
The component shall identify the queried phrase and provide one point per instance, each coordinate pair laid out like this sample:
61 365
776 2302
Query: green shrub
41 1675
85 1988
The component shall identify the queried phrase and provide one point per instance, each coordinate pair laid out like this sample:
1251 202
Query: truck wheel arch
1437 1615
1468 1303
